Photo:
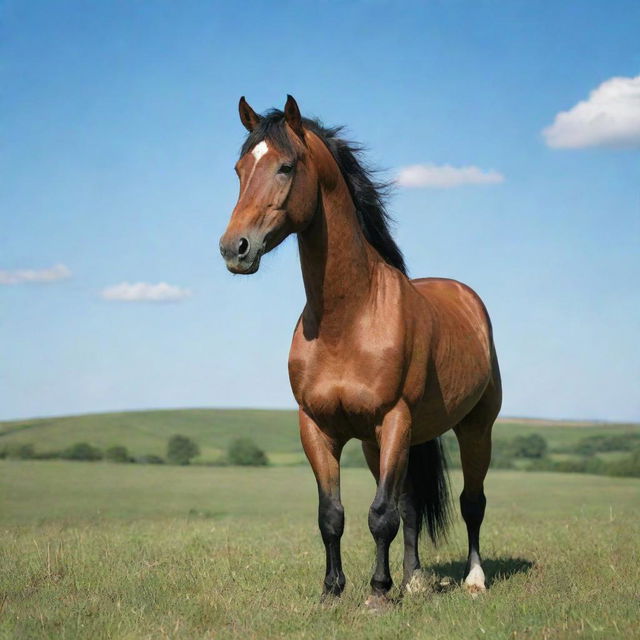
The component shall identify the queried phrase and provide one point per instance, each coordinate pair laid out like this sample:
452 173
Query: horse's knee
384 519
330 519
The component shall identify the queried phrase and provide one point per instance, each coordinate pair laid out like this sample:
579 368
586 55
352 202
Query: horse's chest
359 379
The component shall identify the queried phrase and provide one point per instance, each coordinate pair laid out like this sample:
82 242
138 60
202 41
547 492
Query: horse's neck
337 263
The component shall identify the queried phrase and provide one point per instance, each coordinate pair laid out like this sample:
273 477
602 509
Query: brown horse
375 356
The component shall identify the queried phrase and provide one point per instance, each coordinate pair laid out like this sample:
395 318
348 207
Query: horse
375 356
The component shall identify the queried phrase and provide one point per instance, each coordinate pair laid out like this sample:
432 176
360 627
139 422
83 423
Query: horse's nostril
243 247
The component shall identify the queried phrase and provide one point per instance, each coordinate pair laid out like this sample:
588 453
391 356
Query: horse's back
456 307
450 295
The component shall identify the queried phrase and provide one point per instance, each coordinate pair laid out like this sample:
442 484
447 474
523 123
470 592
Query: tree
149 458
245 452
501 454
629 466
181 450
82 451
533 446
20 451
117 454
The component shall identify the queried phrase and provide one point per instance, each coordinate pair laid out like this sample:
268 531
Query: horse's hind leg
412 580
474 438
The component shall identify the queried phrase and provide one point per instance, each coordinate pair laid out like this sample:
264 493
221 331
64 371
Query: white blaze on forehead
259 150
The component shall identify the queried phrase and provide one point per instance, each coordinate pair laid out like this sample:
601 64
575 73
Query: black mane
368 195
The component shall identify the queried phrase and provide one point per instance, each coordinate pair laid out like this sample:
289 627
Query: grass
93 550
147 432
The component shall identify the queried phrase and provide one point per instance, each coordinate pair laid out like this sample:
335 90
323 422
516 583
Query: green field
99 550
103 550
147 432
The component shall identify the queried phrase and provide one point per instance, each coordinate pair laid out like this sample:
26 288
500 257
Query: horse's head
278 187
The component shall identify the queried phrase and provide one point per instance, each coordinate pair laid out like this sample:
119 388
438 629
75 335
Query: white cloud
444 176
610 117
145 292
18 276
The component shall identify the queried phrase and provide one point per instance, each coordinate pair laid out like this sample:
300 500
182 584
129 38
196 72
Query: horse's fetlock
381 585
334 584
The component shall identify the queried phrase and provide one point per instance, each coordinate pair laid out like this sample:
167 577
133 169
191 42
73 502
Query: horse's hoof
377 603
474 590
445 584
474 582
417 583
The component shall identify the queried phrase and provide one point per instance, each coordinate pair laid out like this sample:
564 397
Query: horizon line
500 418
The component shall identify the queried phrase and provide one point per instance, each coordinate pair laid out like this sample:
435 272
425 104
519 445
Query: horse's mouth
244 267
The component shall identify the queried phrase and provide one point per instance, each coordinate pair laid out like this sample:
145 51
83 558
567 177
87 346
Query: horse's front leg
323 453
394 439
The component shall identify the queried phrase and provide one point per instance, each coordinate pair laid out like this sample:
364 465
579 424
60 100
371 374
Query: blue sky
120 131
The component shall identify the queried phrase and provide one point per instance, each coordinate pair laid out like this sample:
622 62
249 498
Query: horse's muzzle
241 253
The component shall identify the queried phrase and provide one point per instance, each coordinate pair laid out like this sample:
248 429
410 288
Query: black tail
429 480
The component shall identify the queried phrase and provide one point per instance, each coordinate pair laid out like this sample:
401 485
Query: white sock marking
475 577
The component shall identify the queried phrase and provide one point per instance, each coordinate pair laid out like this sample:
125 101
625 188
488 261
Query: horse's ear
250 119
293 117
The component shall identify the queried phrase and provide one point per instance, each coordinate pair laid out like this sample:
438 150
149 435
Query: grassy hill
147 432
144 432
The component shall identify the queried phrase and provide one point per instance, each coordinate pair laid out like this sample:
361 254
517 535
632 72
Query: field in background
97 550
147 432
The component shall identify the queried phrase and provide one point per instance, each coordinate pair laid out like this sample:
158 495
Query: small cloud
610 117
145 292
18 276
444 176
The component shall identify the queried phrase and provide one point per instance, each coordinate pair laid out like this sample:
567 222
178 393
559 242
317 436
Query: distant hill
147 432
144 432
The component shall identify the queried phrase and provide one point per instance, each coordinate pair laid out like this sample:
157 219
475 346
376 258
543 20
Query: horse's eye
285 168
